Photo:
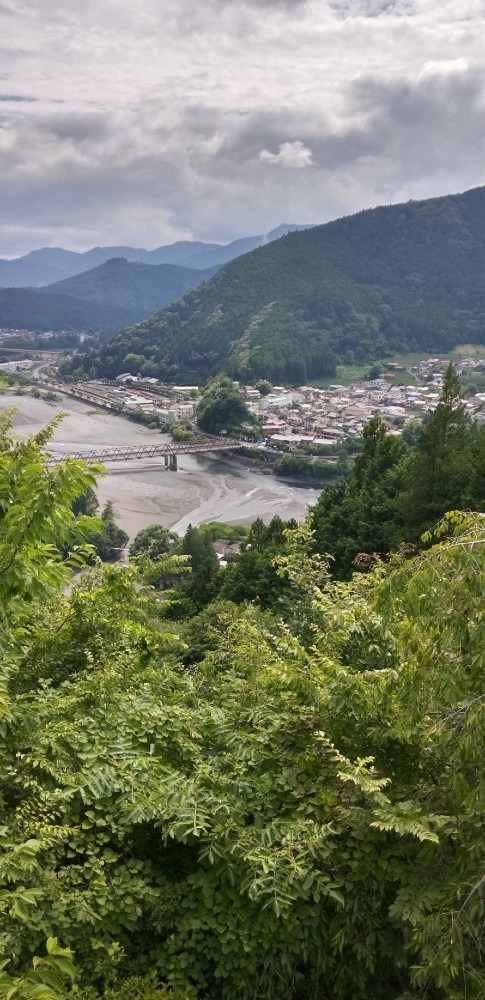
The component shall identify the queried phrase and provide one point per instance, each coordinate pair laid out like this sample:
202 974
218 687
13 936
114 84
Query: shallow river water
144 492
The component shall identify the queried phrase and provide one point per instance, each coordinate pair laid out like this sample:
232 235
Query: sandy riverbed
144 492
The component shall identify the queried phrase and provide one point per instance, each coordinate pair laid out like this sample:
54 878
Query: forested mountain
52 264
141 288
102 299
400 277
30 309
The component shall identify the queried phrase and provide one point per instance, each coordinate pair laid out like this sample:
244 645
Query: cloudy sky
146 121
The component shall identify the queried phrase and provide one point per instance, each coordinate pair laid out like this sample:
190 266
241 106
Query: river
144 492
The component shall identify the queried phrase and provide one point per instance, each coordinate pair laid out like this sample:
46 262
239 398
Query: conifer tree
363 515
443 462
202 584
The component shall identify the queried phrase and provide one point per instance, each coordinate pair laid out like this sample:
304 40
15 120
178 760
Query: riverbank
266 468
144 492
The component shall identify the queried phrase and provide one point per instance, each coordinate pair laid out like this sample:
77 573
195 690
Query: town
288 418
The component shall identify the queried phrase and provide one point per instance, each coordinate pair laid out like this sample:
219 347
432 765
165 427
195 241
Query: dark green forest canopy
396 492
99 300
242 805
395 278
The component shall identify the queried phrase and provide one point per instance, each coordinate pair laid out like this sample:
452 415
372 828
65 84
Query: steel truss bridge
169 452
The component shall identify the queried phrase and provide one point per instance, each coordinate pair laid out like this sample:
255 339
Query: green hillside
31 309
396 278
141 288
99 300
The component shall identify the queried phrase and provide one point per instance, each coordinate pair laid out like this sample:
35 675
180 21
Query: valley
143 492
242 500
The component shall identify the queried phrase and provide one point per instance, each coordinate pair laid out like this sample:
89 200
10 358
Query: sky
141 122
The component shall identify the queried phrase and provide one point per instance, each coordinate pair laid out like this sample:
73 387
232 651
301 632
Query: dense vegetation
222 408
31 309
102 299
139 288
205 799
28 340
396 492
398 278
299 464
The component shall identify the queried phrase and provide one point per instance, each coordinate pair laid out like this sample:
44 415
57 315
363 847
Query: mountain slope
210 257
102 299
52 264
142 288
31 309
21 272
400 277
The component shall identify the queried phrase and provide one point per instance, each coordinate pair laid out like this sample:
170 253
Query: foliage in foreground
277 819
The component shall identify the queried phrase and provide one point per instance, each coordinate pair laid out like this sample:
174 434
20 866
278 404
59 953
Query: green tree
363 514
182 430
86 504
202 585
222 408
252 575
153 541
271 820
111 537
37 520
443 463
266 818
263 386
134 363
46 979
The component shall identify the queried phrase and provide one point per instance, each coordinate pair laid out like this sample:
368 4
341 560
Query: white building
16 366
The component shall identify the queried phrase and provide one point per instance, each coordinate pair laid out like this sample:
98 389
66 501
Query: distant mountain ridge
53 264
397 278
102 299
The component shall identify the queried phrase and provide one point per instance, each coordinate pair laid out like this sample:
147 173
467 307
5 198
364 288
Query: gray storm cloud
178 119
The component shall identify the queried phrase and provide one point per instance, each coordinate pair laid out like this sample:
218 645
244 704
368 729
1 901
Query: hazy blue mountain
179 253
99 255
52 264
22 271
102 299
222 254
130 284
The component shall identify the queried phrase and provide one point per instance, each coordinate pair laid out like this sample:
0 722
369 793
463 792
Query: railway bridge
169 452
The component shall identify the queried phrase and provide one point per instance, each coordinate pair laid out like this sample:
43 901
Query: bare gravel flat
144 492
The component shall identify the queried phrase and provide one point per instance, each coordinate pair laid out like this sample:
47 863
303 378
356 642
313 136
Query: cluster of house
307 415
432 369
225 551
291 417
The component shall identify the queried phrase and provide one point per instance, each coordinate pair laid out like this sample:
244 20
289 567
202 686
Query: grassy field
345 375
350 374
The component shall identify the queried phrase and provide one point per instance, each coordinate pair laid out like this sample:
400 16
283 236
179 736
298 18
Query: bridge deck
134 452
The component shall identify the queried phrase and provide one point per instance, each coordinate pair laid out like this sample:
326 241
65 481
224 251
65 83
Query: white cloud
294 155
445 67
143 123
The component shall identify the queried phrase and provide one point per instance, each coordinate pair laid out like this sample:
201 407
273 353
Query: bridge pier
166 461
173 463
